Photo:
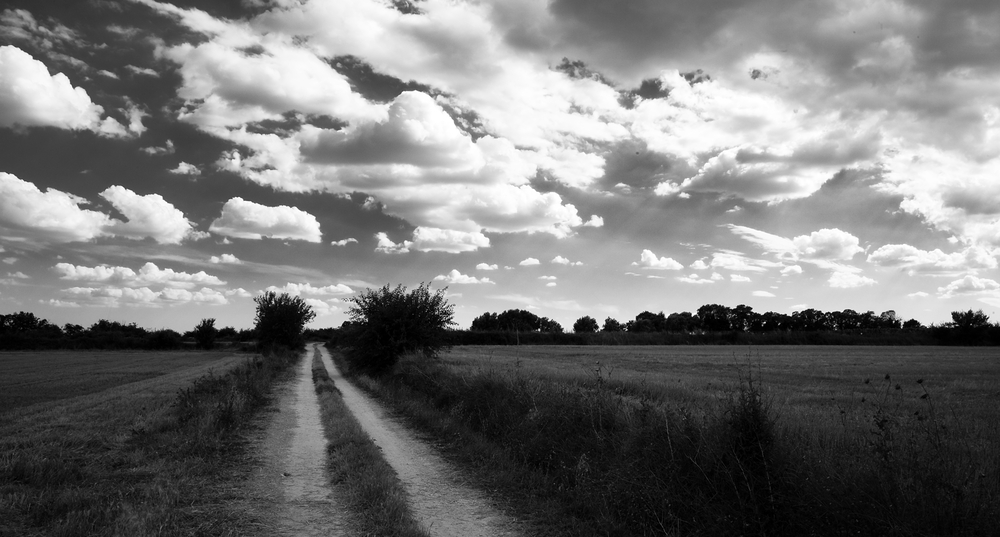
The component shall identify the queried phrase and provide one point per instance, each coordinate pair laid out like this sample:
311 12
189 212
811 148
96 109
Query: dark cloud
630 162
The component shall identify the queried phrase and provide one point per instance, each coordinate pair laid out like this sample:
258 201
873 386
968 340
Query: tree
205 333
389 322
548 325
612 325
585 325
970 320
280 319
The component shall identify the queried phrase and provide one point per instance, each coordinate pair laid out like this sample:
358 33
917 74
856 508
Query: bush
280 319
204 334
585 325
389 322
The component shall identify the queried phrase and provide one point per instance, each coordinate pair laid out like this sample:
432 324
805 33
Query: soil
443 503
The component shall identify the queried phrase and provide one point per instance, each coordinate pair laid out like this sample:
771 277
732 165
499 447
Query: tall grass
598 457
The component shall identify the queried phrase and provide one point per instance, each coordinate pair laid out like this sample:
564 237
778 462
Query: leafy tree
548 325
683 321
486 322
205 333
715 318
970 320
280 319
585 325
519 321
612 325
389 322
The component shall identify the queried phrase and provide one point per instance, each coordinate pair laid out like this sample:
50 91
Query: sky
161 163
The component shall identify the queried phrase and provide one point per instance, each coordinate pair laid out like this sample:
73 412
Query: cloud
148 216
791 269
142 71
185 169
551 284
695 279
226 259
738 278
52 216
248 220
817 247
484 266
322 308
560 260
739 262
149 274
548 278
918 294
31 97
699 265
456 277
167 149
595 221
238 292
386 246
848 280
969 285
113 297
531 261
426 239
306 289
763 294
648 260
344 242
915 260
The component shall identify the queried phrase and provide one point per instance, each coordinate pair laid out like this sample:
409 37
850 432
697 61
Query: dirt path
291 481
441 501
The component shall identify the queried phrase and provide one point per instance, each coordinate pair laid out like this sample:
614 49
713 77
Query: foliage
612 325
388 322
205 334
585 325
281 319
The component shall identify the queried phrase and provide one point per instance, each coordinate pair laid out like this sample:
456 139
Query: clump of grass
362 478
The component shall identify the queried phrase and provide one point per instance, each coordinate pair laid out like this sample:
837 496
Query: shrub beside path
441 501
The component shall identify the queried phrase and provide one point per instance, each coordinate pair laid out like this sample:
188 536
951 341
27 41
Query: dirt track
441 501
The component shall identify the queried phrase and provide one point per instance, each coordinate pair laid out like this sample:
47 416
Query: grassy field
120 443
721 440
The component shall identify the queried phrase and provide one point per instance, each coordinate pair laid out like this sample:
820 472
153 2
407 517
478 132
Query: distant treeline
717 324
24 331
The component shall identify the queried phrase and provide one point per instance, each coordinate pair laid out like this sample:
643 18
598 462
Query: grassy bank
363 479
155 457
587 454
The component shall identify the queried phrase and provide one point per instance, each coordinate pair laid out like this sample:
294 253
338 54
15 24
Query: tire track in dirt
292 478
443 504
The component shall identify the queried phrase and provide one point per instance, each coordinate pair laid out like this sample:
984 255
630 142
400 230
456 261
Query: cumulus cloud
595 221
485 266
426 239
166 149
456 277
31 97
915 260
321 307
560 260
248 220
531 261
695 279
113 297
148 216
548 278
969 285
386 246
739 278
27 212
763 294
739 262
848 280
344 242
148 274
226 259
238 292
648 260
185 169
307 289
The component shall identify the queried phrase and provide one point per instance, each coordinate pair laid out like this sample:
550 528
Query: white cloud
31 97
344 242
484 266
227 259
148 216
848 280
322 308
185 169
738 278
142 71
386 246
738 262
695 278
148 274
551 284
238 292
548 278
595 221
648 259
113 297
306 289
819 247
426 239
560 260
915 260
698 265
531 261
248 220
969 285
763 294
456 277
918 294
56 216
167 149
791 269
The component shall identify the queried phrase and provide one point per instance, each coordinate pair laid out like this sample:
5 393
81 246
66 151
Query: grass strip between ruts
362 479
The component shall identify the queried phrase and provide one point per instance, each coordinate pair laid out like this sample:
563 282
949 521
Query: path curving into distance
443 504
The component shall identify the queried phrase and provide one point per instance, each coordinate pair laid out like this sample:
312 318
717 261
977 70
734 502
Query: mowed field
804 382
28 378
